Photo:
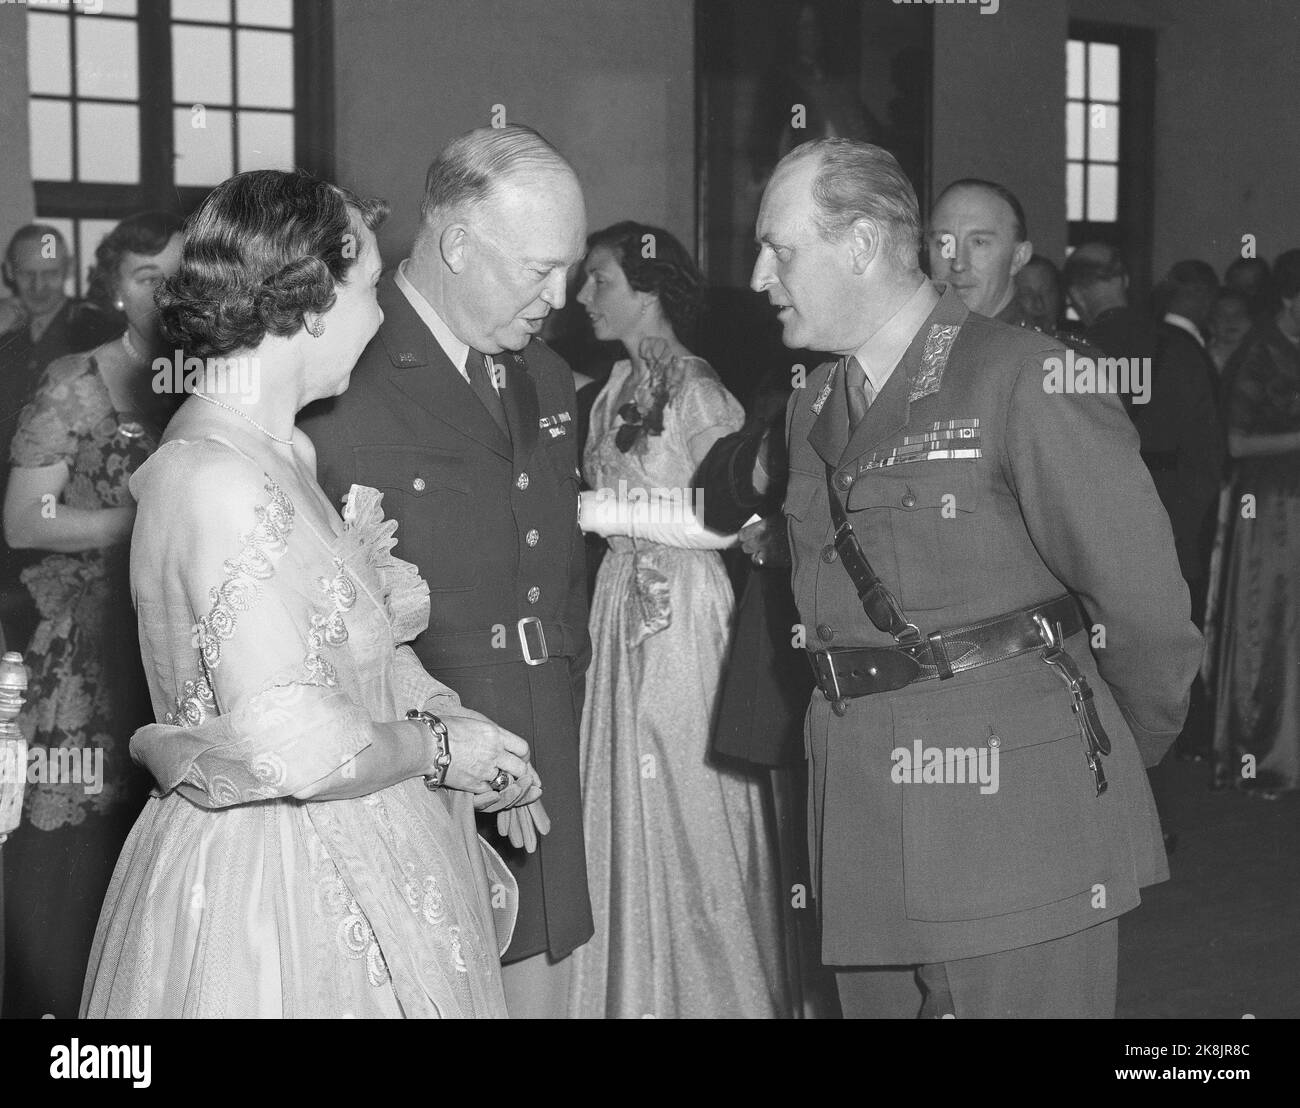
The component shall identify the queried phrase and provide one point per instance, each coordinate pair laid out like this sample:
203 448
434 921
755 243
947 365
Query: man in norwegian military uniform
962 534
977 242
467 422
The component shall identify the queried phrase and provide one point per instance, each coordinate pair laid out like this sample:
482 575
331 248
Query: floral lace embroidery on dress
328 628
259 550
356 938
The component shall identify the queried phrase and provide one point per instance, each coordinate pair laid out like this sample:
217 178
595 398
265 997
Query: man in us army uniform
466 421
987 579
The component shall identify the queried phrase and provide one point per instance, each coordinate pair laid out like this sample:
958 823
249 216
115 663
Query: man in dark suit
980 816
1182 437
40 324
467 423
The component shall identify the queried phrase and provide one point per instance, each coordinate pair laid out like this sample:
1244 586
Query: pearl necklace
243 415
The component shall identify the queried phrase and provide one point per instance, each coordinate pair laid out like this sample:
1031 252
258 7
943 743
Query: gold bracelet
442 761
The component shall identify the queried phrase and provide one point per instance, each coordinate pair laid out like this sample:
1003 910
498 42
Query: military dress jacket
974 492
492 523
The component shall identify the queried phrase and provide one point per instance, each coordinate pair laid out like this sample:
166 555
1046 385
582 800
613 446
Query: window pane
206 11
203 153
265 13
108 143
1074 130
1103 193
48 57
265 140
51 126
90 233
1103 71
1074 70
106 59
117 7
1073 192
1103 133
201 65
265 69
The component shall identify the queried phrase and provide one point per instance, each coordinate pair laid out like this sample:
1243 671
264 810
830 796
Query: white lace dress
232 898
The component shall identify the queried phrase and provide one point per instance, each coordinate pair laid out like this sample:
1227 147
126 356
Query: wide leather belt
860 671
530 640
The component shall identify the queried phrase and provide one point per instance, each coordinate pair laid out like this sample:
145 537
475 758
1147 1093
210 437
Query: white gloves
668 521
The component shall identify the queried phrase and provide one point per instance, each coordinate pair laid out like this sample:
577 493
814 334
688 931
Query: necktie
476 366
860 392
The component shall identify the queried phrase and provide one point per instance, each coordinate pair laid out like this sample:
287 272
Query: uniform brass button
532 537
829 553
521 482
840 707
825 632
534 595
909 501
843 481
418 484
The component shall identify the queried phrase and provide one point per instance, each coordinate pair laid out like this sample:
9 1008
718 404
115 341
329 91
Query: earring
316 329
119 305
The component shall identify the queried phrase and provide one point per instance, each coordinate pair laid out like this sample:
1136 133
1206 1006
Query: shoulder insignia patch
826 389
934 359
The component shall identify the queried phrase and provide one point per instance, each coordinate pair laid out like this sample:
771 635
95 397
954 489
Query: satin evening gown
680 857
1257 713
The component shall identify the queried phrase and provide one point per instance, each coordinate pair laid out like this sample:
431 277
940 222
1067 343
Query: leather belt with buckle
524 646
845 674
530 640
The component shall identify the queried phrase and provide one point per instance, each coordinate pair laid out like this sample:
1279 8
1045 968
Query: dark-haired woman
310 847
92 423
1257 711
679 861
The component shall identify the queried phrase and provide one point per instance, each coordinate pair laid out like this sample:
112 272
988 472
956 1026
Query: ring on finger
500 781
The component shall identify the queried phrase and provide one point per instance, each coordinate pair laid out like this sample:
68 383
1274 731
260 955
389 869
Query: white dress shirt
882 352
1184 324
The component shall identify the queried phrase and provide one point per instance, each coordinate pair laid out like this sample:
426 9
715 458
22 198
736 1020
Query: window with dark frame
139 104
1092 123
1109 153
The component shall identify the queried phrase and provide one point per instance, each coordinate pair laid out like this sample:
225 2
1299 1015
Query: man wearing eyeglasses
467 422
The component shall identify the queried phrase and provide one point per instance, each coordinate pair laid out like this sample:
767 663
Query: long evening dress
679 855
1257 714
233 898
86 695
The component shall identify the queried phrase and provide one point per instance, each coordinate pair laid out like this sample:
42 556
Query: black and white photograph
651 509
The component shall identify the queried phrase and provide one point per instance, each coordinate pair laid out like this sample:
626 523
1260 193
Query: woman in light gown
683 883
291 861
1257 710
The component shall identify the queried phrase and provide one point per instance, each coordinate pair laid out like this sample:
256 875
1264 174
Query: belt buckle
839 702
523 641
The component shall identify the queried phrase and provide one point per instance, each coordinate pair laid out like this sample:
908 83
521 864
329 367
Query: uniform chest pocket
923 518
427 492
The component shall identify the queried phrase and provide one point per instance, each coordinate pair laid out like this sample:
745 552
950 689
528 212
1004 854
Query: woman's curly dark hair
264 247
654 261
146 234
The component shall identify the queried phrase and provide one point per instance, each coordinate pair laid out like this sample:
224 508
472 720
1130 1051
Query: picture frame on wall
772 75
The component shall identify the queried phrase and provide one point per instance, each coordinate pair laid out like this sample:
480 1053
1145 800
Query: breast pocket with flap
427 492
927 513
